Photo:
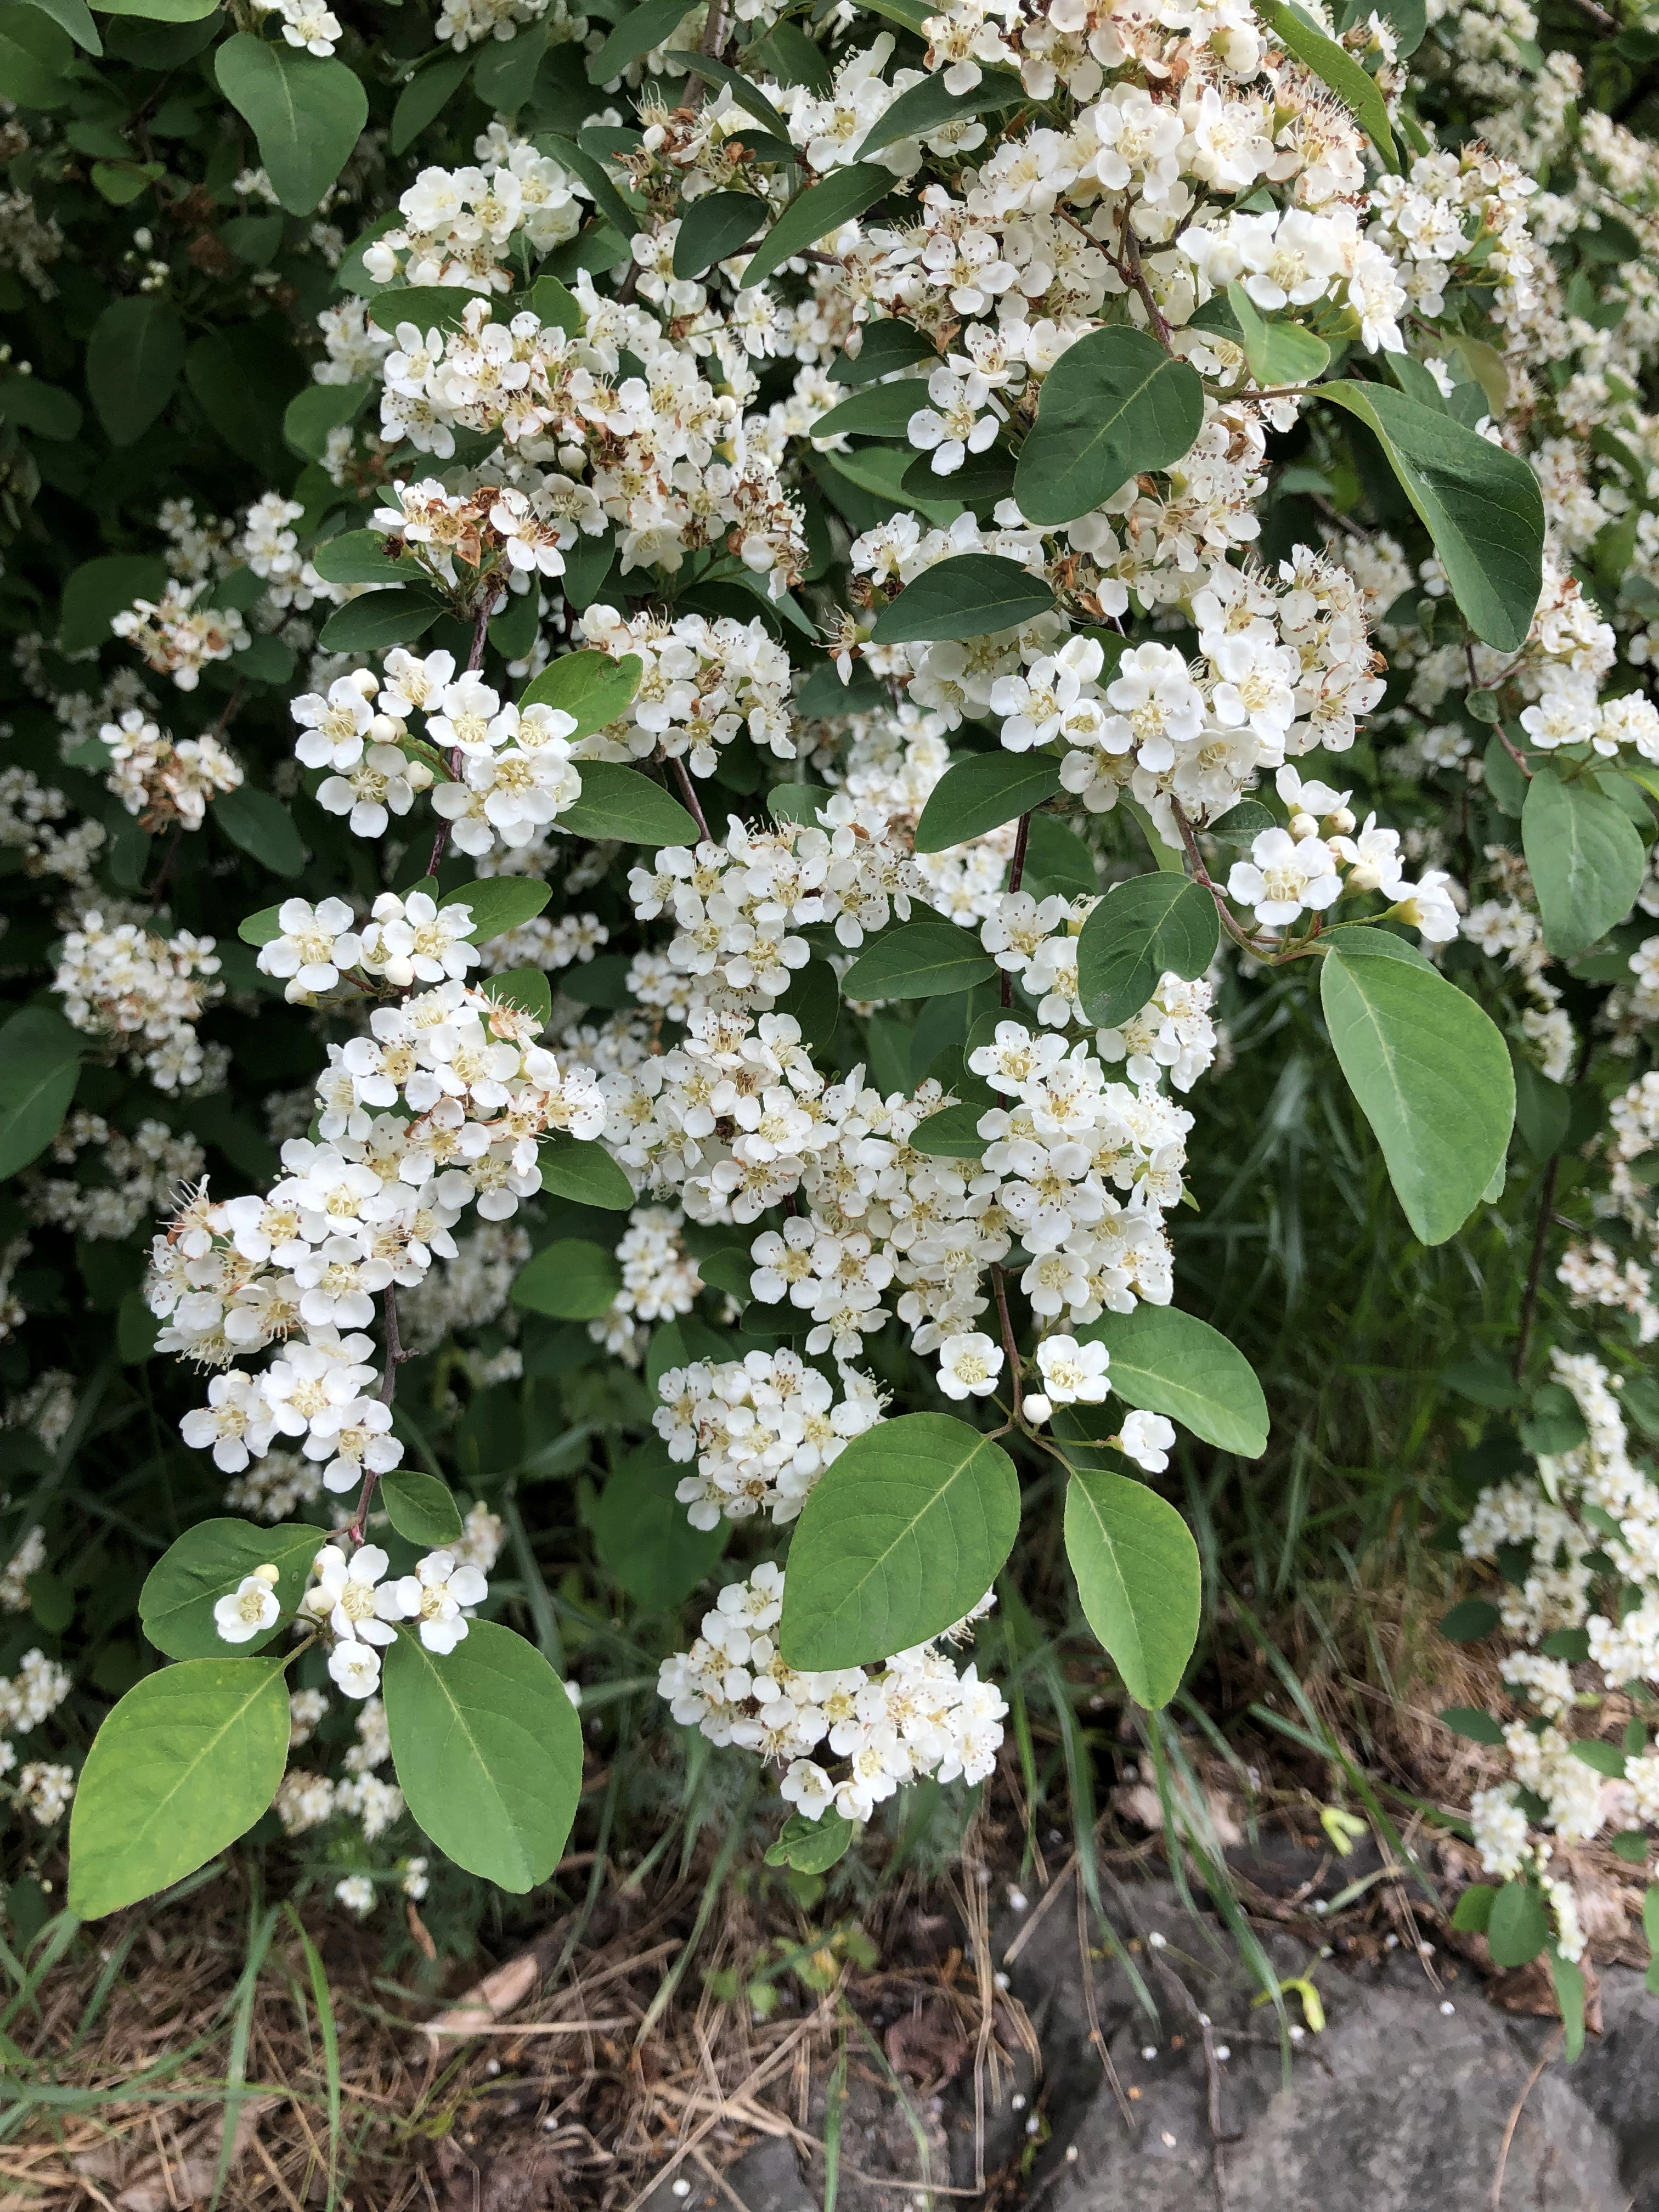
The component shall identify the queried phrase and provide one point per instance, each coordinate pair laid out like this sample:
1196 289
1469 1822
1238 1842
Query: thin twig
689 793
1008 1337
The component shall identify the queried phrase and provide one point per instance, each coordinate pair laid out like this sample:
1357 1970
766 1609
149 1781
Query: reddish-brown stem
1015 869
1202 875
474 662
689 793
1009 1352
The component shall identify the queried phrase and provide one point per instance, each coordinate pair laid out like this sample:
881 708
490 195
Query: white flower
251 1607
1146 1438
434 1594
1283 875
316 943
352 1596
969 1365
355 1668
356 1892
1072 1373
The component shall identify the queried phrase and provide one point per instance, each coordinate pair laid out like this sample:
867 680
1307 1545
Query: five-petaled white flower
434 1595
250 1608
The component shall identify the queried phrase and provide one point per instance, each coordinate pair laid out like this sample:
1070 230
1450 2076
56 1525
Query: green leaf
504 74
812 998
206 1563
918 960
1138 1575
1431 1075
571 1280
262 928
927 107
1519 1925
1279 351
489 1752
1469 1619
1604 1757
747 95
187 1761
812 1846
902 1536
640 29
260 824
813 215
380 620
359 556
426 95
33 55
428 307
887 346
621 804
1144 928
1587 859
583 1172
421 1508
1469 1721
307 114
134 356
879 411
1543 1109
641 1533
312 413
1472 1915
39 1068
498 903
969 596
161 11
95 593
798 802
592 686
714 227
1300 36
1113 406
526 988
1168 1361
556 306
1481 506
981 792
599 178
33 404
952 1133
75 17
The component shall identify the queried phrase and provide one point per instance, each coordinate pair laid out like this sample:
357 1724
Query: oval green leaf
711 228
1587 859
643 1535
1149 927
380 620
1431 1075
187 1762
498 903
583 1172
1168 1361
134 357
970 596
421 1508
489 1752
929 106
903 1535
260 824
590 686
307 112
1114 405
813 214
1138 1575
918 960
571 1280
621 805
176 1603
1481 506
981 792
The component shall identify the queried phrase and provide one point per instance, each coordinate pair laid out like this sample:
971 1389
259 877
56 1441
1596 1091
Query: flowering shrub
680 679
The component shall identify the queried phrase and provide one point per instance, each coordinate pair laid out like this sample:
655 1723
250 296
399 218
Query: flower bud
269 1574
1036 1408
1303 825
365 681
1341 821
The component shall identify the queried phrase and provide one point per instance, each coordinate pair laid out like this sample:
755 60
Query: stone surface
1400 2105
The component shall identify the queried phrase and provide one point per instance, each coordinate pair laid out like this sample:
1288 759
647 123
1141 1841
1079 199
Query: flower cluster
162 779
916 1715
762 1429
142 993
